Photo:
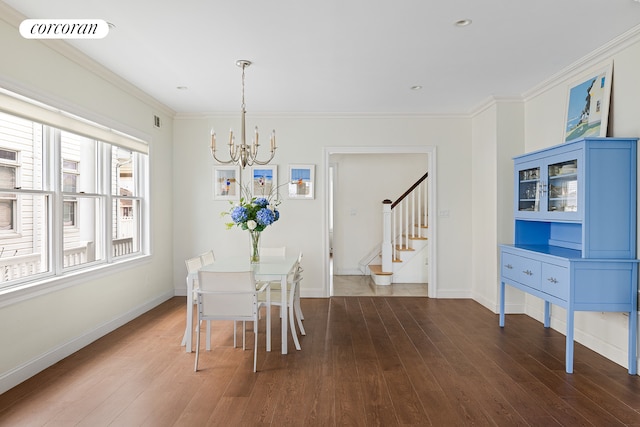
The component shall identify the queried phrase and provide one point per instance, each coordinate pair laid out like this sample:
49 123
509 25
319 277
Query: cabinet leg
633 330
501 304
547 314
569 349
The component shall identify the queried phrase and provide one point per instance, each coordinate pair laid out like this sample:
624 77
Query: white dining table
270 268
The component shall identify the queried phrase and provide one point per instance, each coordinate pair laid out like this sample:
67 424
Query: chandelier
243 154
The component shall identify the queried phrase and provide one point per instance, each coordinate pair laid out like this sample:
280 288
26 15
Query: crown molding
317 115
493 101
602 54
14 18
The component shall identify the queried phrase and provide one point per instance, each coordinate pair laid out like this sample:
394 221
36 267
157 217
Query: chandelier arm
264 162
235 151
224 162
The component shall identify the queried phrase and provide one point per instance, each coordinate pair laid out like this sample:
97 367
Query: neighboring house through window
70 174
8 180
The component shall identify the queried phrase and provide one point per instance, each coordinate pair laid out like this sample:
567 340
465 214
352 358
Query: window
60 189
69 184
126 201
8 180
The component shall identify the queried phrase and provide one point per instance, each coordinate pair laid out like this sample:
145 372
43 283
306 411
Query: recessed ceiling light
182 87
463 22
416 87
111 25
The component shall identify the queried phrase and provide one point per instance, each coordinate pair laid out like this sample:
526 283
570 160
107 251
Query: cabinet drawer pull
509 266
552 280
528 272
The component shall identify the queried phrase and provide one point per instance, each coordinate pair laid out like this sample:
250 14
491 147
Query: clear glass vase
255 247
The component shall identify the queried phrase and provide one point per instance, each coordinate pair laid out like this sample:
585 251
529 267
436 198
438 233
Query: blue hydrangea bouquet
253 214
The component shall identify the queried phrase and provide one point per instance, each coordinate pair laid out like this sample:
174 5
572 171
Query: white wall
39 330
301 139
498 135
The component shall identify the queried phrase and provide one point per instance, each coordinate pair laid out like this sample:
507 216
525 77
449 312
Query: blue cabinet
575 232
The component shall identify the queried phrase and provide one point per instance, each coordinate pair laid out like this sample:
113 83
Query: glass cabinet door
529 190
562 191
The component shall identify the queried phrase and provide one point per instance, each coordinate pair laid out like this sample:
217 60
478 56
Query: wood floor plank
378 406
365 361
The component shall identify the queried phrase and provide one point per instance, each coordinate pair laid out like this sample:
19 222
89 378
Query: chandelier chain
243 103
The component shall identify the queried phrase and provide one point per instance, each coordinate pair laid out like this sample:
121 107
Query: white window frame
56 276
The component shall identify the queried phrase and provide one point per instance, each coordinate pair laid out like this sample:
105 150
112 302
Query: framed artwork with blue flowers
226 182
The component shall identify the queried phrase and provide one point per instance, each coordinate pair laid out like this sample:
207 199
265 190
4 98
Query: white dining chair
275 251
272 297
296 296
228 296
193 265
207 257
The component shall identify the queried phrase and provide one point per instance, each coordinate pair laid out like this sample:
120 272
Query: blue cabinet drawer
555 281
523 270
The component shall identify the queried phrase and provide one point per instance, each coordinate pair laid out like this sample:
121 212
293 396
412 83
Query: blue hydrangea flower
262 202
276 215
239 214
265 216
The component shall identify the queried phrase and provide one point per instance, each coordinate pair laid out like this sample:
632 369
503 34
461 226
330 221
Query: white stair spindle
426 206
419 210
406 224
413 214
394 233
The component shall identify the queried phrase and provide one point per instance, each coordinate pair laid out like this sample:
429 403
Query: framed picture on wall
587 112
301 181
264 180
226 182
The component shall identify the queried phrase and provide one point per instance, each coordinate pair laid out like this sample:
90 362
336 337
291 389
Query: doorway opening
357 180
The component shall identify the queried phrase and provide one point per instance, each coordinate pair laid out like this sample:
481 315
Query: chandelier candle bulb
213 140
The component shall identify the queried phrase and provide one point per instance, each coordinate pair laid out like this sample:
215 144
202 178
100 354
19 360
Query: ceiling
340 56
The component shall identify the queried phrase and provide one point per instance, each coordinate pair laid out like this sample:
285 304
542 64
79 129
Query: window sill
25 291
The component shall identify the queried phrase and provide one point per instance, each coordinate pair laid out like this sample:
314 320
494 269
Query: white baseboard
454 294
30 368
349 272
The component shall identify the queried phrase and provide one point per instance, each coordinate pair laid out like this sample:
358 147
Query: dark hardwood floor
365 361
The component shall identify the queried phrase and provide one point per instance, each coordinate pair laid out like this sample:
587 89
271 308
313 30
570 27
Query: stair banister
413 187
393 226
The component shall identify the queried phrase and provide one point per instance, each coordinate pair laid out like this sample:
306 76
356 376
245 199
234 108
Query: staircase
403 255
